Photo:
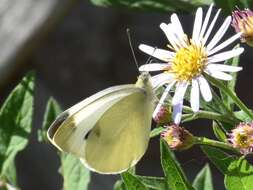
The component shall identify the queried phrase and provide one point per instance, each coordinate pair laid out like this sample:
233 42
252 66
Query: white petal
161 54
197 25
205 89
225 43
224 68
169 32
153 67
181 41
203 28
220 33
209 30
219 74
195 96
177 112
179 93
161 79
162 99
225 55
178 27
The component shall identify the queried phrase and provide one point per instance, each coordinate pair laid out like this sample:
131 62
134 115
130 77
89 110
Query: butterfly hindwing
120 137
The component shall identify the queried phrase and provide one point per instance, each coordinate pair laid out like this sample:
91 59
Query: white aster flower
188 59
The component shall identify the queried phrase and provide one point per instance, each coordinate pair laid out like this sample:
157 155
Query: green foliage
155 183
218 157
218 130
15 126
203 180
119 185
239 175
229 5
132 182
156 131
238 172
242 116
75 175
52 110
230 84
174 176
153 5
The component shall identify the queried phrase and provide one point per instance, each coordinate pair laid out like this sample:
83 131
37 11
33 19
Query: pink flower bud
241 137
177 137
164 115
243 22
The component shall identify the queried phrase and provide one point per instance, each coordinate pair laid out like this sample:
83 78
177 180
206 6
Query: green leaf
229 5
153 5
52 110
232 83
132 182
239 175
156 131
216 105
219 131
242 116
119 185
75 175
238 172
15 125
203 180
218 157
174 176
156 183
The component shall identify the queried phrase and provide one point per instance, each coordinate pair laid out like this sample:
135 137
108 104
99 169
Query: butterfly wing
120 137
114 123
65 132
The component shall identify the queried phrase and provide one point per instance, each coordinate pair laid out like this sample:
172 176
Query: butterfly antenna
131 47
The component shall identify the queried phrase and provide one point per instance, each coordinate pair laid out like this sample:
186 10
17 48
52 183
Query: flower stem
207 115
214 143
231 94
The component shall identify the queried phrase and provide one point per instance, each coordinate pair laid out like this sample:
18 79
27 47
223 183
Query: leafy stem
207 115
190 115
231 94
214 143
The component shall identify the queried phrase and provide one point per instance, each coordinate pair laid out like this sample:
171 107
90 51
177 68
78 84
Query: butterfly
109 131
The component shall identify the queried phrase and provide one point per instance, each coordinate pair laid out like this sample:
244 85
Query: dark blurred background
76 50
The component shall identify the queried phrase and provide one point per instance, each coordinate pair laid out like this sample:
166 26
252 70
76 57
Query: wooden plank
22 23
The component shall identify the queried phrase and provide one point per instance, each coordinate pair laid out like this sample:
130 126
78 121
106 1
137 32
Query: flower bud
243 22
241 137
177 137
164 115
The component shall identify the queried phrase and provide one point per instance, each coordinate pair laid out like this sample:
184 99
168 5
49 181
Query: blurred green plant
173 5
75 175
15 127
153 5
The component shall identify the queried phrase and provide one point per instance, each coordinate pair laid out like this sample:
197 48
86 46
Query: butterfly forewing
120 137
70 136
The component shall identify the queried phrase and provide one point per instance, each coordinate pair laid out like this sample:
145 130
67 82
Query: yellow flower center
243 136
246 27
188 62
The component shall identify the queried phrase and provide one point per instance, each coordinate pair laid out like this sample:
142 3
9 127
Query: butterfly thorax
145 83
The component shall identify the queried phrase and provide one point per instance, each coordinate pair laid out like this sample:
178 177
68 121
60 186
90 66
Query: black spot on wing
95 131
87 135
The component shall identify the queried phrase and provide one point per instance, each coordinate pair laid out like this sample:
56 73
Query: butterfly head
144 81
